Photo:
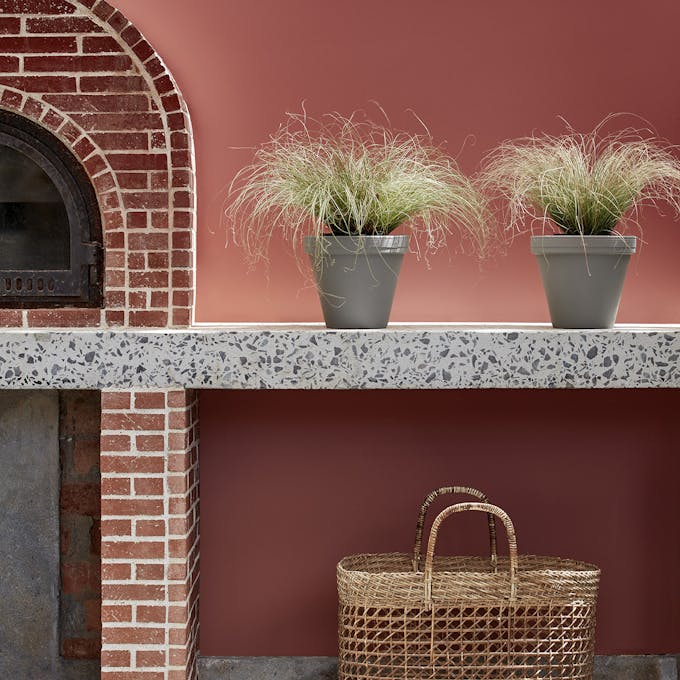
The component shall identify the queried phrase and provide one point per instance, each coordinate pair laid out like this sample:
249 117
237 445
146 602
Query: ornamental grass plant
351 176
584 184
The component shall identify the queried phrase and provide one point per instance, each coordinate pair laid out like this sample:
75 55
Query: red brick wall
81 70
79 522
150 536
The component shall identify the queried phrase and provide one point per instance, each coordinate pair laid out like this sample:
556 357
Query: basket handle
464 507
417 547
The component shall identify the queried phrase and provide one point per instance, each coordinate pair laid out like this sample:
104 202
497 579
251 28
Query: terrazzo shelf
450 356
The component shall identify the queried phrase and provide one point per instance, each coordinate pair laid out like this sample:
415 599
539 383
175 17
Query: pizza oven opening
50 224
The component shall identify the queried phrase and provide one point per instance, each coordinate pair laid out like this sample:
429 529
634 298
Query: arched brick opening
82 70
109 199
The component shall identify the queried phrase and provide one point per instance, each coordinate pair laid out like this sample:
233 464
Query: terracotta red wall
491 70
292 481
286 487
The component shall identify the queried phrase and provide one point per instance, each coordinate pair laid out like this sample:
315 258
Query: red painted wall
590 474
288 485
491 70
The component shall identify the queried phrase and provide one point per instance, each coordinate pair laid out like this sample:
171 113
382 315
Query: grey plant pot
356 277
583 277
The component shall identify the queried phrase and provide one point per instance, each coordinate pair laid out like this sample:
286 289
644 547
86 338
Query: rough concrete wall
29 535
35 442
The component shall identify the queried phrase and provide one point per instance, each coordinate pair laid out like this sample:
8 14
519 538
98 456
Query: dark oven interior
50 224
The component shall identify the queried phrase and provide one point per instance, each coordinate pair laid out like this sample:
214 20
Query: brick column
79 518
149 466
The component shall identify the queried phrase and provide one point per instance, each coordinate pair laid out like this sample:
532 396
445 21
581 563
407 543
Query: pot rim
574 244
356 245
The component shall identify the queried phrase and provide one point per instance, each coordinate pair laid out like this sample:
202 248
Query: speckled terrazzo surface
311 357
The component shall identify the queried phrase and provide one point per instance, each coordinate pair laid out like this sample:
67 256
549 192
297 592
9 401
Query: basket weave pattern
466 618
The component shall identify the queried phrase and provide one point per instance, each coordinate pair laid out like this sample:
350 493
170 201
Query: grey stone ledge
325 668
418 356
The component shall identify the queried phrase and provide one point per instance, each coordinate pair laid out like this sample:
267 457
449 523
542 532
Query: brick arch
102 177
83 61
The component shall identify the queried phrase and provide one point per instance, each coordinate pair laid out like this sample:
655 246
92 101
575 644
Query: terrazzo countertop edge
418 356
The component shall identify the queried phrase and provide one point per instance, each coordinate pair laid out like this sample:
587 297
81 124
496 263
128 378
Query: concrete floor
325 668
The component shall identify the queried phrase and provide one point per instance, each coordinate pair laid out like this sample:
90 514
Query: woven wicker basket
466 618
